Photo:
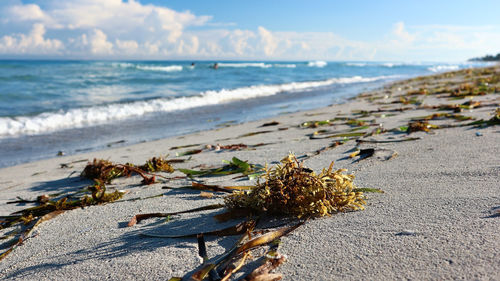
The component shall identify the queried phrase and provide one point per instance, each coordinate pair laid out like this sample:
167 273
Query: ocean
48 107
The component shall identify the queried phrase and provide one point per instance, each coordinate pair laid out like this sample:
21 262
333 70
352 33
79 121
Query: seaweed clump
157 164
495 120
291 189
104 170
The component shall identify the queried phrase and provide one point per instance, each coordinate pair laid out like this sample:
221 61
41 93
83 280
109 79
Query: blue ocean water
76 106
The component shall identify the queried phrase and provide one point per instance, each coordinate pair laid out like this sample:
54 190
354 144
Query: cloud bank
113 29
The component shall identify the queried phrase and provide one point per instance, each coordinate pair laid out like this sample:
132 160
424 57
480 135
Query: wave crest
83 117
318 63
168 68
439 68
244 64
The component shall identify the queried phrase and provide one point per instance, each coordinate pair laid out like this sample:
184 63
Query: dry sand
436 220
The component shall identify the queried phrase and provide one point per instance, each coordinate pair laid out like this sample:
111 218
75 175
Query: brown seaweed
362 153
214 188
272 123
292 189
441 116
387 141
139 217
105 171
234 166
157 164
254 134
417 126
189 152
220 264
184 146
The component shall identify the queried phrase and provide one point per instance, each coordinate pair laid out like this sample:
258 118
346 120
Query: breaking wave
83 117
286 65
439 68
318 63
168 68
165 68
359 64
245 64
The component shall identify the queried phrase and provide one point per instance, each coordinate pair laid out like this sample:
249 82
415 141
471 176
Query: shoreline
436 220
74 141
94 118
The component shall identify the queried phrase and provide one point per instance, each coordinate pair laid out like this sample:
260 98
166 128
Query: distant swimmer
215 66
192 64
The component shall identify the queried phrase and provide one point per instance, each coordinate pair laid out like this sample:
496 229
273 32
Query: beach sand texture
438 218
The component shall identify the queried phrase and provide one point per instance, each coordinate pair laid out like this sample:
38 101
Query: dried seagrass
292 189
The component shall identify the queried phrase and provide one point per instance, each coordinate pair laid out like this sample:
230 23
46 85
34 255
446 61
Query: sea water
78 106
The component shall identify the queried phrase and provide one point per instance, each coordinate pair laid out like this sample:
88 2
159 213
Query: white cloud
130 29
239 41
27 12
439 42
99 44
127 46
268 41
31 43
402 36
113 17
151 48
195 44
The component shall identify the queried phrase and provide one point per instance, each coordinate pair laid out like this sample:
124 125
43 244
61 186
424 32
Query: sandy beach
438 218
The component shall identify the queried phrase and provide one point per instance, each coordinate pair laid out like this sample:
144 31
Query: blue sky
250 30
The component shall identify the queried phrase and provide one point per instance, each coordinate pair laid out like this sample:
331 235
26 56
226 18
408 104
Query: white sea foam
123 64
82 117
318 63
256 64
356 64
244 64
391 64
287 65
439 68
168 68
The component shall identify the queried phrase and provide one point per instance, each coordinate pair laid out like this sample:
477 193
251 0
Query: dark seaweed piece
189 152
272 123
417 126
315 124
388 141
139 217
253 134
104 170
214 188
495 120
363 153
234 166
157 164
347 136
239 228
440 116
184 146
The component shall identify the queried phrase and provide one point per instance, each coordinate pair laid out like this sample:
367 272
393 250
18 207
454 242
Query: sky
384 30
